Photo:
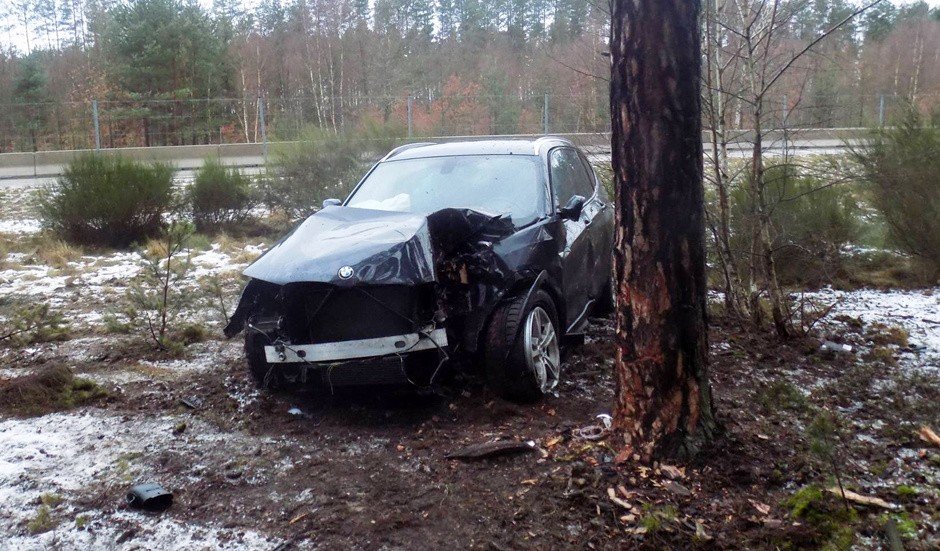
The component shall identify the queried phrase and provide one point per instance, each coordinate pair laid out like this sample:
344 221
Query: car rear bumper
355 349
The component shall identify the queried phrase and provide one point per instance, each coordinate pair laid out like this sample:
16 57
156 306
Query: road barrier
49 164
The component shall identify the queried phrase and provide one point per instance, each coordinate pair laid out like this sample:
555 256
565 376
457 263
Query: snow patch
918 312
67 453
22 226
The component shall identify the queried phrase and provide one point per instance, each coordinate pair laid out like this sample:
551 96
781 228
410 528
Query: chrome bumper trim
349 350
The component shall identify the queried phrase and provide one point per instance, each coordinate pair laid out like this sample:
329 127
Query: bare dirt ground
368 469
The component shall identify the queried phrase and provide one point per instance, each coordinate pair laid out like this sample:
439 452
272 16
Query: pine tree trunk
663 404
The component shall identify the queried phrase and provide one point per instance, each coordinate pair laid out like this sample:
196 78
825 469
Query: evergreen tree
447 18
166 48
879 21
29 90
413 19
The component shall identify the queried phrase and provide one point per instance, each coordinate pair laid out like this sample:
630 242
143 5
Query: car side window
594 180
569 177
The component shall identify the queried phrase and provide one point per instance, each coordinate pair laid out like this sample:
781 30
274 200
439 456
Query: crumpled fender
253 293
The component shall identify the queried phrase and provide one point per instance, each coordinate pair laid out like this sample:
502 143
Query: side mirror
331 203
572 210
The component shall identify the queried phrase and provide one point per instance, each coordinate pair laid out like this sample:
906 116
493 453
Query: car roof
532 147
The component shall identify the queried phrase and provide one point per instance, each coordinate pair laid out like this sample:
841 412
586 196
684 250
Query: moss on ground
830 519
42 522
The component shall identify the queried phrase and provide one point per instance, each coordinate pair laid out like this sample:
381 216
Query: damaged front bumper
354 294
356 349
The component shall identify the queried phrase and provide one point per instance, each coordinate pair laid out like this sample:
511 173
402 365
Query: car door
568 177
601 230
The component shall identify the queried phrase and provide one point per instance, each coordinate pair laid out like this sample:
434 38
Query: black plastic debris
193 402
150 497
492 449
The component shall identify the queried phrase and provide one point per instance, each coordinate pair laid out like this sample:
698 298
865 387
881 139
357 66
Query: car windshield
492 184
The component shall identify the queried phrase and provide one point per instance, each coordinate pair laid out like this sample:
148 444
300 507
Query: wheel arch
527 286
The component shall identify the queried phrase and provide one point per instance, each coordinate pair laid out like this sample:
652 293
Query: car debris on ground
149 497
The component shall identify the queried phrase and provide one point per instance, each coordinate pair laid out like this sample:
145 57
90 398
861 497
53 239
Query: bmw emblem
346 272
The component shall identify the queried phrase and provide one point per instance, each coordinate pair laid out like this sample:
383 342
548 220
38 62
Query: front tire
522 356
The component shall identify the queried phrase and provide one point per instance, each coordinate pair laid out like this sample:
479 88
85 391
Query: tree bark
663 404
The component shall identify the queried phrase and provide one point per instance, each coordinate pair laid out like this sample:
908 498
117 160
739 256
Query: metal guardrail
49 164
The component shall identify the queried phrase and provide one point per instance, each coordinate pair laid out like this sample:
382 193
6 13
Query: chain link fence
109 124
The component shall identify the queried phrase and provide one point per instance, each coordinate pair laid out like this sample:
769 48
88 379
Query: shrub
219 197
811 220
319 165
107 201
901 165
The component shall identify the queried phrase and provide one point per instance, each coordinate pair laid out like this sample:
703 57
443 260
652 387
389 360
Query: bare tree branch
817 40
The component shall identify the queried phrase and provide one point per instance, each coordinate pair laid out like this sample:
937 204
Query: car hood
380 247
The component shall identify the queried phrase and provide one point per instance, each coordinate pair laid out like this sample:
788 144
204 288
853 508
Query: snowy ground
65 454
918 312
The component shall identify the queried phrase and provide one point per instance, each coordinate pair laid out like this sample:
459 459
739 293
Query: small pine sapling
157 297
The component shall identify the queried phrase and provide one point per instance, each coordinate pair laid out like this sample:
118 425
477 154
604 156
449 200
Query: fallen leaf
612 494
298 518
928 435
531 481
553 441
625 493
772 523
862 500
700 531
677 488
761 507
628 518
672 472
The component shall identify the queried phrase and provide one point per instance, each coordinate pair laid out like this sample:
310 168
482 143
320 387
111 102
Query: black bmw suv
497 250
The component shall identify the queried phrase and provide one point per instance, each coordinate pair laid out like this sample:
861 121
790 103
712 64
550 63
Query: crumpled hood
381 247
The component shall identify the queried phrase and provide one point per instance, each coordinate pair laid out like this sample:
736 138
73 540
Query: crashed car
493 250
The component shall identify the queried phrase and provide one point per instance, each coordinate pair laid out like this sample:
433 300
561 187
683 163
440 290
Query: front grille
317 313
376 371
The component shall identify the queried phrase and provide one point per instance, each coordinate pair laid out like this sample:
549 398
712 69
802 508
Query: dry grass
155 248
5 244
49 389
42 248
881 335
58 253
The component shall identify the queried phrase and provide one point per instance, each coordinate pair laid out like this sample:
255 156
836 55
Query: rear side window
569 177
